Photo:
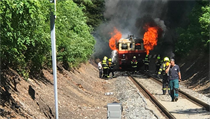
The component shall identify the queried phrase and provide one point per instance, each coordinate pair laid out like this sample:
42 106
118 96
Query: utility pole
53 45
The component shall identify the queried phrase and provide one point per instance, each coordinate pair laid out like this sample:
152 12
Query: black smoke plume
130 17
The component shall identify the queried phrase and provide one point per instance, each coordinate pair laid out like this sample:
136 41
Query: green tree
25 34
204 21
74 41
93 10
24 41
196 34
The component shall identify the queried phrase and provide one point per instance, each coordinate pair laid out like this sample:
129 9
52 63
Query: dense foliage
196 34
94 10
25 34
75 43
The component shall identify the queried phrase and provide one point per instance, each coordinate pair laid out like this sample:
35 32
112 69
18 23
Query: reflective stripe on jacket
162 69
134 63
146 61
104 64
166 88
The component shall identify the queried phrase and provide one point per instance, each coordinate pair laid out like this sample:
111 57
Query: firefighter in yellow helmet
134 64
105 58
165 76
105 67
111 67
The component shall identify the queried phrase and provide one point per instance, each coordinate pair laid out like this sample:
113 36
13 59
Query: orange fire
150 38
116 35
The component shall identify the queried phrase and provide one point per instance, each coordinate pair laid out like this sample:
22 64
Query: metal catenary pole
53 43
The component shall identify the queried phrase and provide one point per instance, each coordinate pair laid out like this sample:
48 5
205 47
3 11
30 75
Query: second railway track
164 111
188 96
181 109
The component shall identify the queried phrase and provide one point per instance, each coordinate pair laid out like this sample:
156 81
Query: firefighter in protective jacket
146 63
134 64
111 67
158 63
165 76
105 67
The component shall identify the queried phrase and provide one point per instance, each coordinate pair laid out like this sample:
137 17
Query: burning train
128 47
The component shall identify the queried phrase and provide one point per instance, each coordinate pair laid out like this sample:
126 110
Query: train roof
124 40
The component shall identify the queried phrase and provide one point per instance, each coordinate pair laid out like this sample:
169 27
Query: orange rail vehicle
127 48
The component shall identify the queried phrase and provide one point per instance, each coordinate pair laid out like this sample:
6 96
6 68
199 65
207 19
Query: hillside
195 72
80 94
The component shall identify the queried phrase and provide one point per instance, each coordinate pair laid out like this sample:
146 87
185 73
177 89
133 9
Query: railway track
163 110
146 93
187 96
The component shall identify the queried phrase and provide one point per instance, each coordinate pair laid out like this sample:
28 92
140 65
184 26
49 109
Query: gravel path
134 105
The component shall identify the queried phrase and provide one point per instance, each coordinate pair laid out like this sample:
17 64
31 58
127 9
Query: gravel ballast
134 105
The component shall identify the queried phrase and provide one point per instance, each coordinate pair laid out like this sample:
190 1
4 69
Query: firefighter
111 67
134 64
146 63
105 67
165 76
158 63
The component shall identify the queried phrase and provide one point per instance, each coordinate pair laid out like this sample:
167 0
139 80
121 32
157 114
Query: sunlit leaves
23 27
25 34
75 43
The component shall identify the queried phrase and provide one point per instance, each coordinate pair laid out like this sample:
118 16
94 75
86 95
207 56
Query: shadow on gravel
192 111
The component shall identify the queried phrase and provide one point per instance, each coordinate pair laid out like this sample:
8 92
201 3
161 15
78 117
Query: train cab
127 48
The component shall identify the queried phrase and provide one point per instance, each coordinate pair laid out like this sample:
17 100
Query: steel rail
152 98
187 96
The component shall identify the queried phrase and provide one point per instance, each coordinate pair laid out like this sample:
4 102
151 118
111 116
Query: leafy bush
24 41
25 34
74 41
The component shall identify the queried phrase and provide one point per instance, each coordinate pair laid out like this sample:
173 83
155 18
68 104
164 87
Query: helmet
166 59
134 56
110 59
158 57
167 63
105 57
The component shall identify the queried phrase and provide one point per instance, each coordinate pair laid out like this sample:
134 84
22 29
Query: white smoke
114 56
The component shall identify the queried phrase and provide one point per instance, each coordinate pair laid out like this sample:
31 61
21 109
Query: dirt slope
80 95
195 72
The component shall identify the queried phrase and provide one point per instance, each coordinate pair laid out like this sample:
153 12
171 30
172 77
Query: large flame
116 35
150 38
